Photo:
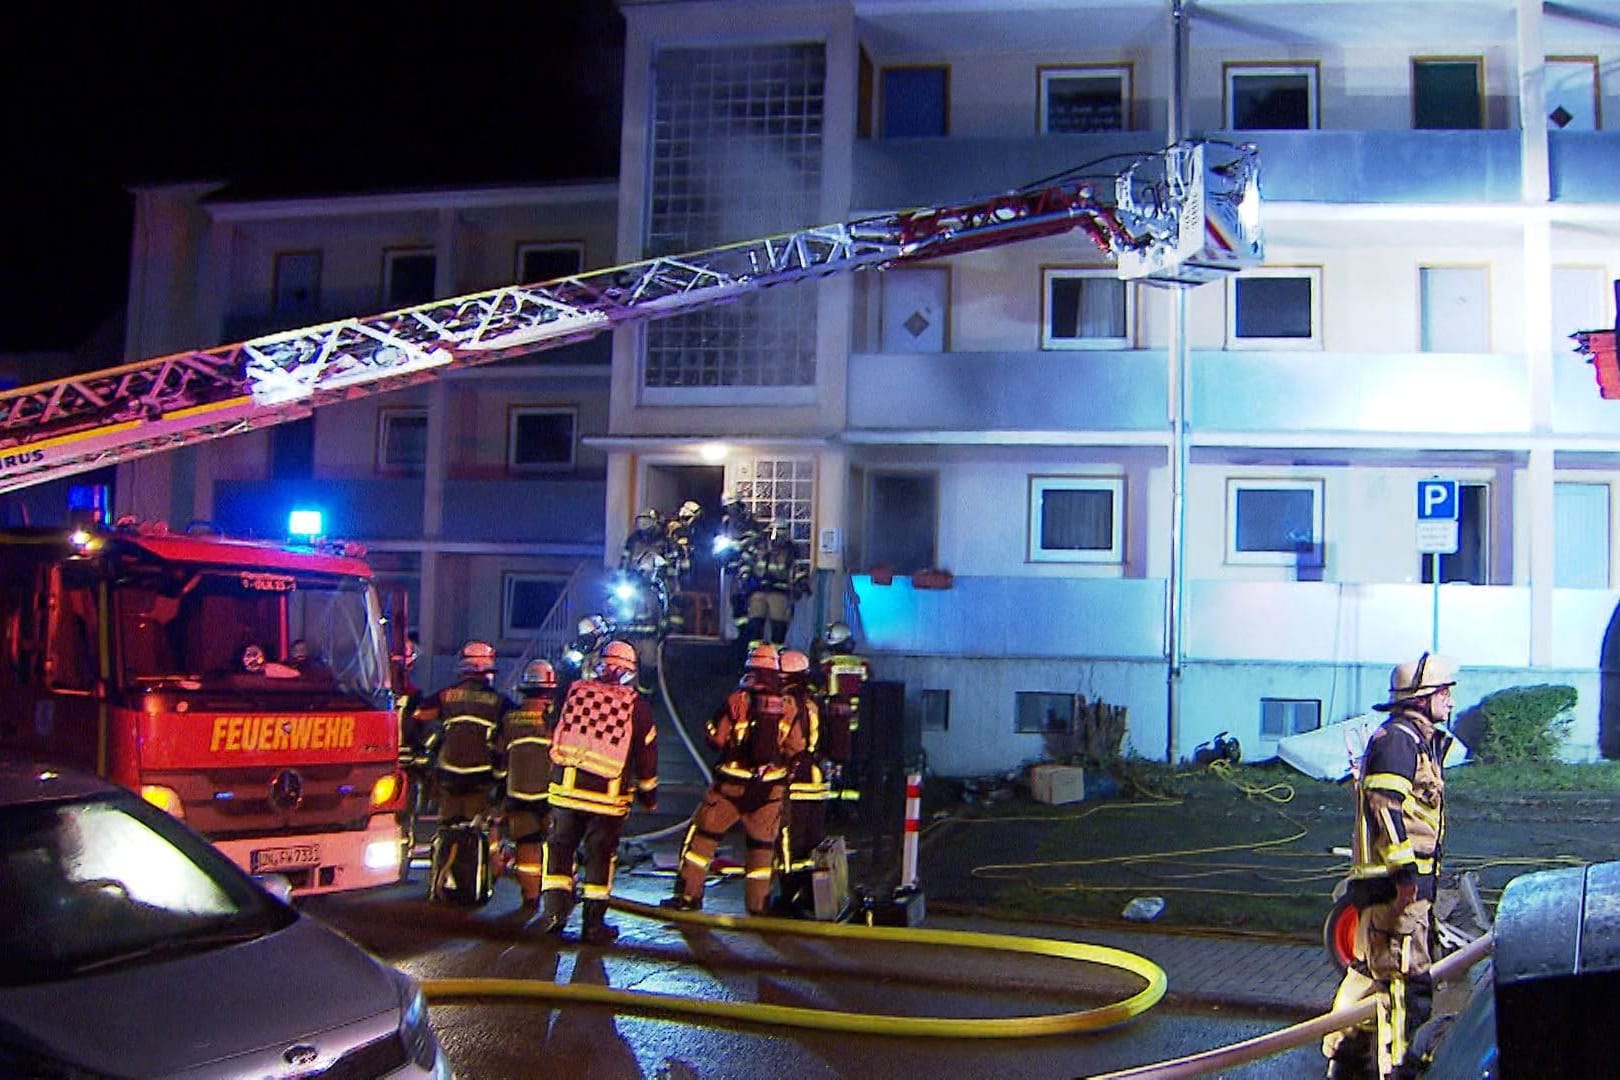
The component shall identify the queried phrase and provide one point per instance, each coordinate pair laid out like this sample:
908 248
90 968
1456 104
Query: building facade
476 494
1441 206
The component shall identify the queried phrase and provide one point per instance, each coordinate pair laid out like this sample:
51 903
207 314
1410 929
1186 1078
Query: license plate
286 858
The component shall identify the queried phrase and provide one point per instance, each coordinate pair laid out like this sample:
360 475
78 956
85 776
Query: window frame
933 702
1479 86
1595 64
1264 701
514 413
1041 698
1237 484
510 579
385 418
1046 74
1051 274
393 255
525 247
1312 343
883 99
1311 69
1040 484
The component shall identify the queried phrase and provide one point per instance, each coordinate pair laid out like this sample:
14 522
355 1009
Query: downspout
1178 375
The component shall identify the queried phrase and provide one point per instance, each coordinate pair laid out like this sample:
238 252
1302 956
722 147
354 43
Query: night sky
285 99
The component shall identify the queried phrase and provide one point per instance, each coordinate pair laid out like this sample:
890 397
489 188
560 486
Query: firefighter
826 748
604 752
648 537
464 720
524 755
758 731
777 580
843 677
739 533
678 539
585 651
1399 830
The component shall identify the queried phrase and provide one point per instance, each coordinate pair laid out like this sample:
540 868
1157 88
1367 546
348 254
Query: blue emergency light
305 523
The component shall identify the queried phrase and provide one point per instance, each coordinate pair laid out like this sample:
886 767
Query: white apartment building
476 494
1442 208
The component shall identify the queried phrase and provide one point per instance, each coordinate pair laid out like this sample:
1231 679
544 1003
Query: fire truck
167 662
243 687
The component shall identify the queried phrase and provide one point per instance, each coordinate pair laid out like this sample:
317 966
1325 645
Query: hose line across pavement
440 991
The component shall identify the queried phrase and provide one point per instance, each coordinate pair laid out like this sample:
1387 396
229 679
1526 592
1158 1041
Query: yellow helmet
794 662
1419 678
763 658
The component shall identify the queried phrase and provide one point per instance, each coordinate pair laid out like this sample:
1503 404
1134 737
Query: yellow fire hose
439 991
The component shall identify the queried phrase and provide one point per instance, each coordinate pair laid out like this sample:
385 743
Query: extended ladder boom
1170 220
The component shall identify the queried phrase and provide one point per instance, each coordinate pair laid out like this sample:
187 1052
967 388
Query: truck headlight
164 798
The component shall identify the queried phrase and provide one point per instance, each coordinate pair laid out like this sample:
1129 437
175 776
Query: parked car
1541 1008
129 946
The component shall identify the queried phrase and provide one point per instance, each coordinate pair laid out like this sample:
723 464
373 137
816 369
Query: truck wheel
1339 933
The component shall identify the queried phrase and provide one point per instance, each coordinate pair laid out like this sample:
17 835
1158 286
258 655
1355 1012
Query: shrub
1526 723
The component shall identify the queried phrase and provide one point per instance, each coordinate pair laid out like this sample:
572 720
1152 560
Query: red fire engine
244 687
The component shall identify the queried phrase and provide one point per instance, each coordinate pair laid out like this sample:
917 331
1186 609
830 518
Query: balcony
1585 166
1296 166
1008 391
1260 391
527 510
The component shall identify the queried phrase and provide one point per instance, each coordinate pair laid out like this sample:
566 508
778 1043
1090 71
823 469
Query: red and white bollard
908 869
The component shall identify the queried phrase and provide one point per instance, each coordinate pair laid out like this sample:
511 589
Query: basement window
1281 717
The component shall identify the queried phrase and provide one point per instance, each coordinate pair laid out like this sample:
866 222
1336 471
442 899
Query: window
903 511
936 710
915 101
292 450
712 108
1580 535
1271 97
1281 717
1456 309
539 439
548 262
1275 308
1081 99
297 287
1470 563
526 600
409 277
1272 522
780 489
1075 519
1574 97
915 306
1038 713
1086 309
1448 93
401 440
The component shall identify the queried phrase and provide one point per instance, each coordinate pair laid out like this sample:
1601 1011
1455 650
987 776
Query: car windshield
240 629
90 885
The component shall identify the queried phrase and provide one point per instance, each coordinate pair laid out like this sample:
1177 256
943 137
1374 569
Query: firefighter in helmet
581 656
464 720
1395 850
678 539
739 533
826 748
844 676
524 757
604 752
777 578
758 731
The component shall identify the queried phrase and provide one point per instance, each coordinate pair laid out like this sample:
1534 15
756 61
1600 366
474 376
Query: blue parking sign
1437 500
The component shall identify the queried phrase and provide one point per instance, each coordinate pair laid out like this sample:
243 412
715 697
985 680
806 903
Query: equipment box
1057 784
829 879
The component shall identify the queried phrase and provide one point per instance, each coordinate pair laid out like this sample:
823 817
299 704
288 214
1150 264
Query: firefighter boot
555 905
1354 1058
597 930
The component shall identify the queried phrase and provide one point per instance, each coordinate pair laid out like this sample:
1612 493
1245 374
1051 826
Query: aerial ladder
1600 349
1183 215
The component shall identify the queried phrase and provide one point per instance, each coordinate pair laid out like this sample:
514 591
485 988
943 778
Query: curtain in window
1077 520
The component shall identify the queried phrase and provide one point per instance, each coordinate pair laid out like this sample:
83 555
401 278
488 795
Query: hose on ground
442 991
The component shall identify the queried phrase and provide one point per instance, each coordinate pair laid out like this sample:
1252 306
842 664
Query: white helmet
838 633
620 656
1411 680
688 512
538 675
477 658
592 624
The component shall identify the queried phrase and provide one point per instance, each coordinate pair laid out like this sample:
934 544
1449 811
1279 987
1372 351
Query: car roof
23 782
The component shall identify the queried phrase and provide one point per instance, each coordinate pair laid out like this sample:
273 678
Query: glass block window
736 154
781 489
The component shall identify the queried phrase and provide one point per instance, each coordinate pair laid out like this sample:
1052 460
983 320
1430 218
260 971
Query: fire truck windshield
250 629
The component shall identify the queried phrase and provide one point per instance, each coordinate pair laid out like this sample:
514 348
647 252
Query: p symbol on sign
1437 500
